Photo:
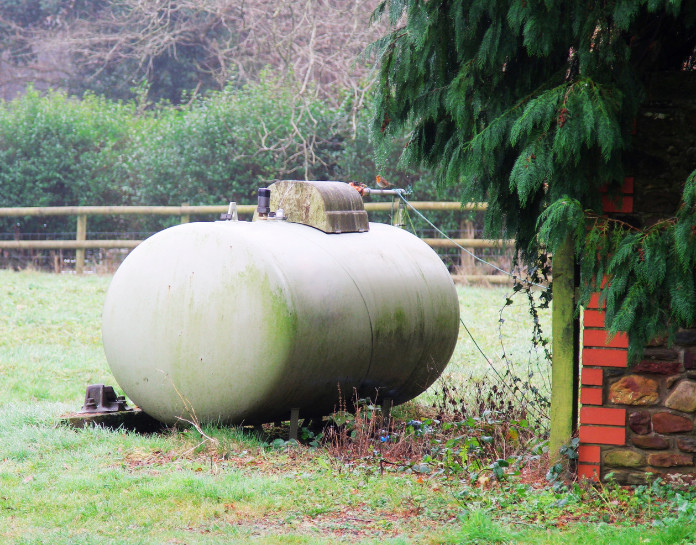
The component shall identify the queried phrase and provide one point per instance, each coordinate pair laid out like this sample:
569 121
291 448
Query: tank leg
386 410
258 431
294 423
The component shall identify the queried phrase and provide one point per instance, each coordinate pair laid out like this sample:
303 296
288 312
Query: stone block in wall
669 381
668 459
689 360
653 442
639 422
683 397
671 423
630 477
634 390
661 354
687 444
660 340
685 337
624 458
658 367
613 372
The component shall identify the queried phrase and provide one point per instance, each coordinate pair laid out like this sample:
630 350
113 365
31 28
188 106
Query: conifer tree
530 105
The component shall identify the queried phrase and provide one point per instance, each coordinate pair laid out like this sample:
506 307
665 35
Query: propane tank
238 322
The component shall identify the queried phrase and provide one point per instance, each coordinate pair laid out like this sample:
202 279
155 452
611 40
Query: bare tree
310 46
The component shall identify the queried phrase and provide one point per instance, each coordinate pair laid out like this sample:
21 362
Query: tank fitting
231 213
264 206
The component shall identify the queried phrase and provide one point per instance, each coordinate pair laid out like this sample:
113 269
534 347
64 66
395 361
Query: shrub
224 146
56 150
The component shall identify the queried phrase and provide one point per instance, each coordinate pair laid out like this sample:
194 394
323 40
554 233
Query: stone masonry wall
642 419
639 419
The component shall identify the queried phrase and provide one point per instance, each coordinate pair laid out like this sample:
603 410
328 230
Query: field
64 486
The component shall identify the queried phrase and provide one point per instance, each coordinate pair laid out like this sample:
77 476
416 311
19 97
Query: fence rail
80 244
185 210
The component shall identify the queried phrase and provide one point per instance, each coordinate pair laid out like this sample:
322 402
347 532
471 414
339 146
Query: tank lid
332 207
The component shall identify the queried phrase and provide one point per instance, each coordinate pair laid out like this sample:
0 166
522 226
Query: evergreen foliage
529 104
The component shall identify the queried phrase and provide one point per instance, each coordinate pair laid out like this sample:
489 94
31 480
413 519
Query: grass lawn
95 486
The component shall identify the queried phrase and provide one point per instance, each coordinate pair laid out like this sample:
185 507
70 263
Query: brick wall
642 419
639 419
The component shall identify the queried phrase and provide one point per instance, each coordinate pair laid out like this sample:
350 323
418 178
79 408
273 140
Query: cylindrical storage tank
238 322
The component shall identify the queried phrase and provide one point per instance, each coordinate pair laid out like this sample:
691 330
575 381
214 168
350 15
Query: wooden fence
81 243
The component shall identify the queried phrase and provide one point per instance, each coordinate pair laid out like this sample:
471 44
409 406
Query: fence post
398 215
467 265
563 366
185 218
81 235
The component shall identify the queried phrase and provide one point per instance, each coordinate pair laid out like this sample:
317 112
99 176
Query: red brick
622 204
592 377
604 357
600 338
601 415
590 472
593 318
603 435
591 396
594 302
589 454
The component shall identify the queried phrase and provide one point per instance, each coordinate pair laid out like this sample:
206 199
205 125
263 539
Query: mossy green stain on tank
282 316
399 318
391 325
192 360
